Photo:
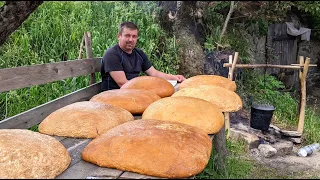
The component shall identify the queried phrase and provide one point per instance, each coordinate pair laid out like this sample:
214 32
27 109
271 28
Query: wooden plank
59 138
35 115
26 76
75 146
86 170
132 175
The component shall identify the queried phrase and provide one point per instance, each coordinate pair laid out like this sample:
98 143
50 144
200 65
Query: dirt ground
291 166
288 166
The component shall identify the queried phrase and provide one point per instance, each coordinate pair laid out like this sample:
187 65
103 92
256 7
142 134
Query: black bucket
261 116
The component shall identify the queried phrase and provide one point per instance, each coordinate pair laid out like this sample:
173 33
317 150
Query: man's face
128 39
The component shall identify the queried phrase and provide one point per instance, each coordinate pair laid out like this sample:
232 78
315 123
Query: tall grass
54 32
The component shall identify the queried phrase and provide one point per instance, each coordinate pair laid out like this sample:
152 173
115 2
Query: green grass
56 29
236 166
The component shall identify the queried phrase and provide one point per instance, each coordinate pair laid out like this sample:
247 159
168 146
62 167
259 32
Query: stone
267 150
291 133
294 140
251 139
283 147
274 127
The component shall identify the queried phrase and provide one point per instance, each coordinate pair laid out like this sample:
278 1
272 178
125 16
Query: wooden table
80 169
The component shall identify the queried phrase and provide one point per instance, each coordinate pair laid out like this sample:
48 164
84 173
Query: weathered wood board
26 76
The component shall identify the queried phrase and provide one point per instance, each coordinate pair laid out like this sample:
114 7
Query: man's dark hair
129 25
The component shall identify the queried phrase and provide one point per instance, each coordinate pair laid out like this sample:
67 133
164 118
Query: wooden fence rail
26 76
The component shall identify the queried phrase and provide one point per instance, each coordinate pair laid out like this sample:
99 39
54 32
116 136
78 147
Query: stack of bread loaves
170 141
25 154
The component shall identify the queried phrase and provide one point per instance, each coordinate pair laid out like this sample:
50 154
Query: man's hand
180 78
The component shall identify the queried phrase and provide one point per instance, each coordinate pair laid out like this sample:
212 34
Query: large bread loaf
227 100
25 154
133 100
152 147
158 85
187 110
208 80
84 119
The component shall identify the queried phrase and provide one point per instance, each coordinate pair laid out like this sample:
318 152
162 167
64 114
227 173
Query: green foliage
214 17
312 7
56 29
236 167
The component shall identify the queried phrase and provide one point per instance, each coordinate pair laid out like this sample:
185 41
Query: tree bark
219 143
13 14
181 18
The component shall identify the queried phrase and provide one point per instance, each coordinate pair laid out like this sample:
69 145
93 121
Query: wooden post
303 76
230 76
81 48
87 39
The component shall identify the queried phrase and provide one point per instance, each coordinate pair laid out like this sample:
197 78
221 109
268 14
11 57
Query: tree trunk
181 18
219 143
13 14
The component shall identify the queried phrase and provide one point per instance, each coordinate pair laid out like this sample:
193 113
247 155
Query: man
123 61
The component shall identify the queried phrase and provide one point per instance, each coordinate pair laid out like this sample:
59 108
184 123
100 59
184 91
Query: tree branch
227 20
13 14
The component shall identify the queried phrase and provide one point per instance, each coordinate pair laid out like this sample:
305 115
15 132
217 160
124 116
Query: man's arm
119 77
153 72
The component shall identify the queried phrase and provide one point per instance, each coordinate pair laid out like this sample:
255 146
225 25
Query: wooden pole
303 95
301 63
230 76
262 66
310 65
81 48
87 39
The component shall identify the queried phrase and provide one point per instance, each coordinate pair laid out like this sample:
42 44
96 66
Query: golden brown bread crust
152 147
25 154
208 80
227 100
133 100
158 85
84 119
187 110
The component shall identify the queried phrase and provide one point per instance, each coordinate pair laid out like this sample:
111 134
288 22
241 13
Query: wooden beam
262 66
310 65
230 76
35 115
88 44
26 76
303 95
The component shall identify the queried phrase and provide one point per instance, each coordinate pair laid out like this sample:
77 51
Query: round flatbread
152 147
226 100
25 154
84 119
188 110
160 86
133 100
214 80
